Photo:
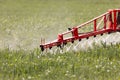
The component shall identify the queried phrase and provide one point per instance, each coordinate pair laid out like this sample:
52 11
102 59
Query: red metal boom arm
112 27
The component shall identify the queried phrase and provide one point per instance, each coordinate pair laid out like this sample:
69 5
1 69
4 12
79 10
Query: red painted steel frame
76 36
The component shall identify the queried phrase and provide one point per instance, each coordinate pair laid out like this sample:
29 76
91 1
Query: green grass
24 22
100 63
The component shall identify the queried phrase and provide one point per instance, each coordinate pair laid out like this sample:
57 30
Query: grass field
94 64
24 22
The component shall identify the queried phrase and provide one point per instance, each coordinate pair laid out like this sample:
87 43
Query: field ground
23 23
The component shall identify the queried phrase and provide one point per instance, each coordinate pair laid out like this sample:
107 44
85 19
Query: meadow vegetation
100 63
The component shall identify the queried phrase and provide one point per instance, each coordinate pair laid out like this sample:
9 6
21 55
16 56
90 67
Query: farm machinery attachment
108 22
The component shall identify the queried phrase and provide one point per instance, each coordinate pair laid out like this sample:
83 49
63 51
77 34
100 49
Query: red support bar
115 20
105 21
79 26
66 32
60 38
95 24
75 32
118 10
110 22
118 19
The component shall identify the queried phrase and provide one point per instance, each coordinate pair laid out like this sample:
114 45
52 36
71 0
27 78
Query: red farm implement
108 22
